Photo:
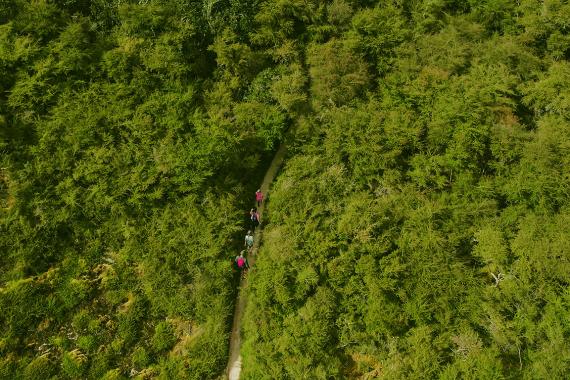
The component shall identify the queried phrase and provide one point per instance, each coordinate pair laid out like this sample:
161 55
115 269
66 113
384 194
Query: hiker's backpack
240 262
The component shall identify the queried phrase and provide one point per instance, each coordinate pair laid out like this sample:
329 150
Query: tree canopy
419 229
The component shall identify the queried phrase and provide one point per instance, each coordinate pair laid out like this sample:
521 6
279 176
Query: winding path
234 364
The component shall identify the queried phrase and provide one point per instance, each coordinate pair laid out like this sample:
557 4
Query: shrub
164 337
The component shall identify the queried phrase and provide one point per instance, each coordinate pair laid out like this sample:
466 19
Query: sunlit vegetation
419 229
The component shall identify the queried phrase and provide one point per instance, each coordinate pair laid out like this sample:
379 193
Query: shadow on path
234 364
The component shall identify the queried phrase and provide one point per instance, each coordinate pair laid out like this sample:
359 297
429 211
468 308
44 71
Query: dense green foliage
420 228
132 134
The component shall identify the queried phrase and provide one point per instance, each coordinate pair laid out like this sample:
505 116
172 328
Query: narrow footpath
234 364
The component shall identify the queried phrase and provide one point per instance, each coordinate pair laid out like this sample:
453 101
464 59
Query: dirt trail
234 364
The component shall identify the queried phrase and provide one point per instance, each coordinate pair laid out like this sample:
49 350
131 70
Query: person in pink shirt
259 197
241 262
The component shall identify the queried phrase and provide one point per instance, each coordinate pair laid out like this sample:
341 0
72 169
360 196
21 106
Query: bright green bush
87 343
164 337
140 358
40 367
74 363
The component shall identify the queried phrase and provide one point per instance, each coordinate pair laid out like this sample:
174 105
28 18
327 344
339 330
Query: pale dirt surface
234 364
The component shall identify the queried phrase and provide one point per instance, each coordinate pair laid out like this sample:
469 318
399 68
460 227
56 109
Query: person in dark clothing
254 216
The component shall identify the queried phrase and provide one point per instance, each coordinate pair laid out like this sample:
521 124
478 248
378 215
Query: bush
40 368
140 358
73 363
87 343
164 337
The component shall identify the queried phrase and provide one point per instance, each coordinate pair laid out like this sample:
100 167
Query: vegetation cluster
129 143
420 228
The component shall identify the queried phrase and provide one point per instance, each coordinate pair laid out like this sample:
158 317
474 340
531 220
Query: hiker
254 216
259 197
241 262
248 241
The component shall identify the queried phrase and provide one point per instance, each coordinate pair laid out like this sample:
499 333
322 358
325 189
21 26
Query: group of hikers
240 262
